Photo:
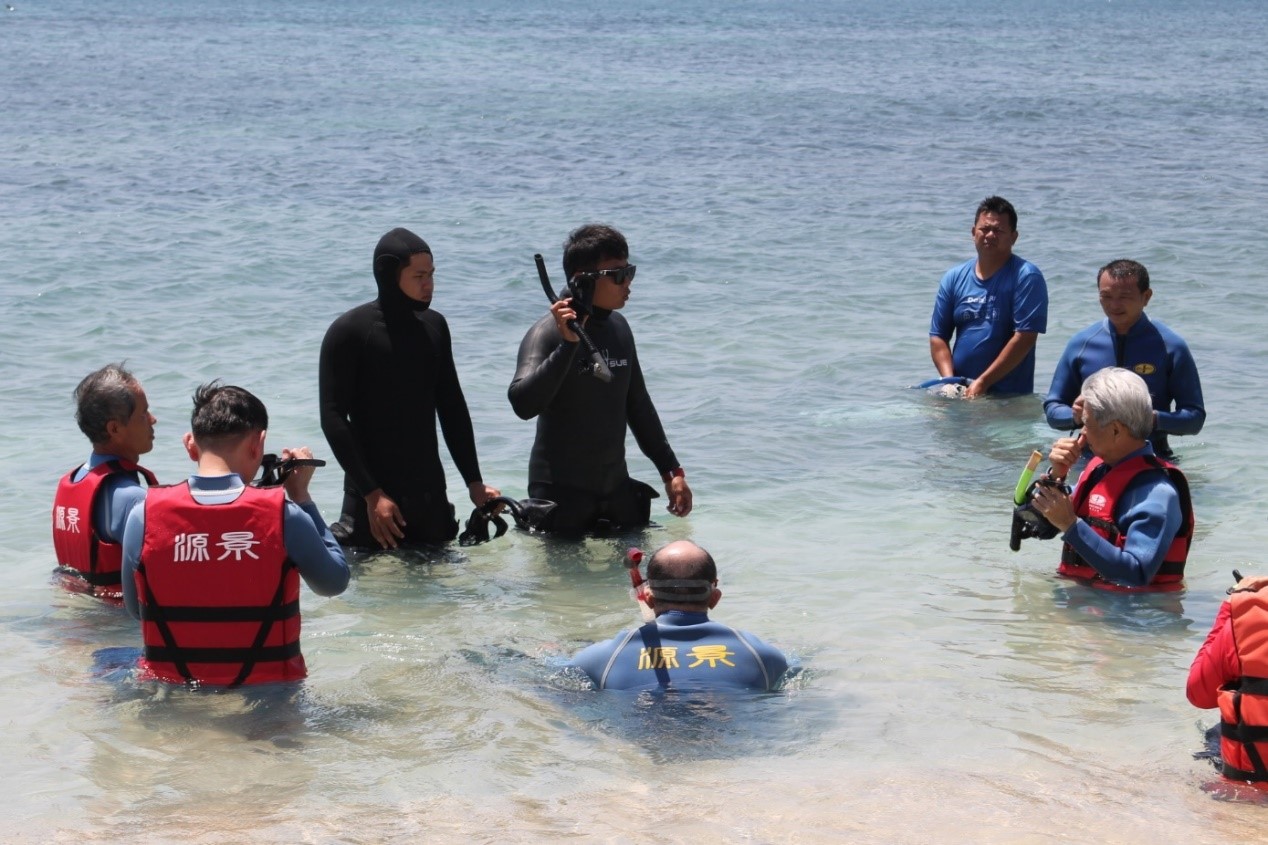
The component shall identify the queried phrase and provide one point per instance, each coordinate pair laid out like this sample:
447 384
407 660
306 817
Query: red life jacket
1244 702
1095 501
91 563
219 597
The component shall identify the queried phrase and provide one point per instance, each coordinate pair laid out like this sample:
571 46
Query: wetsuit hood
392 253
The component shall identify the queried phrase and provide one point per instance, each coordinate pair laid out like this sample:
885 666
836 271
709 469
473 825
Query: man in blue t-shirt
682 647
1127 338
995 306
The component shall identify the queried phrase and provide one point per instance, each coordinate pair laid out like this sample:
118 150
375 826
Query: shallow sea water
198 190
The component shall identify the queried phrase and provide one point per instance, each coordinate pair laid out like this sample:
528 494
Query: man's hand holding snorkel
1051 500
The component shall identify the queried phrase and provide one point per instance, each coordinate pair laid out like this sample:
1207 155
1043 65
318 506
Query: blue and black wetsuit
1152 351
682 649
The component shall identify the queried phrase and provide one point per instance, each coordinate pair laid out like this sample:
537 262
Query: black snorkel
274 470
598 366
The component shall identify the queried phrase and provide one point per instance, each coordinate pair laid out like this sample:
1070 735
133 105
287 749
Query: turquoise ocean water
198 188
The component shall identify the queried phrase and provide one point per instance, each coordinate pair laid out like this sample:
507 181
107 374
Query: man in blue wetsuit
995 306
1127 338
113 411
1129 521
682 647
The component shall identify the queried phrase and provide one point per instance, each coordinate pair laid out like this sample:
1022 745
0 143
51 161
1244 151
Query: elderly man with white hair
1129 521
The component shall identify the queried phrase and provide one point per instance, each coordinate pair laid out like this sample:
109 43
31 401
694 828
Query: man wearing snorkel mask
682 647
1129 522
386 375
578 457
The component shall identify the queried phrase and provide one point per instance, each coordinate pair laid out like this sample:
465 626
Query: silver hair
104 395
1117 395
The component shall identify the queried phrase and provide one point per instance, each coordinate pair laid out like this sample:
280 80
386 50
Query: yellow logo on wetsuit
1145 369
667 657
711 654
658 658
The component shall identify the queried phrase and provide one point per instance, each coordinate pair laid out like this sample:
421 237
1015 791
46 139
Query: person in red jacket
93 501
1230 672
211 566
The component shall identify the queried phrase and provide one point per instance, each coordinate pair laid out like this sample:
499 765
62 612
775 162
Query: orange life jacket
1244 702
1095 500
219 597
91 563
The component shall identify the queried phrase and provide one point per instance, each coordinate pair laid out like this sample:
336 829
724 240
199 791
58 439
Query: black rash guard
386 373
581 420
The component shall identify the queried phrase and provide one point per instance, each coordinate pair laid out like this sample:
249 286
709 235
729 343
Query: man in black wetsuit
578 458
386 374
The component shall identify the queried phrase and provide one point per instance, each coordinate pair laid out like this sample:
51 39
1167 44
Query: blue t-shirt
1152 351
983 316
682 649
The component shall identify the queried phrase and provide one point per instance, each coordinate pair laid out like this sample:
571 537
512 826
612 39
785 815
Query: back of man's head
224 414
103 396
589 244
682 574
1118 395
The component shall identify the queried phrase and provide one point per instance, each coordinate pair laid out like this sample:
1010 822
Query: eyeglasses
618 275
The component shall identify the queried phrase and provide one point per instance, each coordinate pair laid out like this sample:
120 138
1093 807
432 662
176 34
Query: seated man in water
211 566
112 410
1229 672
1127 338
1129 521
682 647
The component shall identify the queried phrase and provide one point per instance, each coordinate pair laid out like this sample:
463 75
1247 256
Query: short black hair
103 396
997 205
225 412
1125 268
589 244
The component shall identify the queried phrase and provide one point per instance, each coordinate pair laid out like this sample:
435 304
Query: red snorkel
633 557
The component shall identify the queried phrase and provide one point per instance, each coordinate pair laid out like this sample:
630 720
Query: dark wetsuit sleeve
451 407
645 423
544 362
336 384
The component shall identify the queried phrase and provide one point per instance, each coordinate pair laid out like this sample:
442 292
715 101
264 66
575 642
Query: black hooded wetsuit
578 458
387 372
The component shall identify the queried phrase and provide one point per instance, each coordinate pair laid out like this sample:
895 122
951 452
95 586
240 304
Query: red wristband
676 472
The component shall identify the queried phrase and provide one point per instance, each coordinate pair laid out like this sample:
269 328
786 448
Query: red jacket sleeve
1216 662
